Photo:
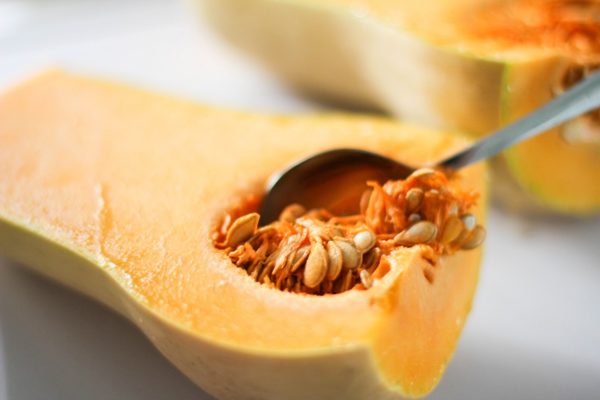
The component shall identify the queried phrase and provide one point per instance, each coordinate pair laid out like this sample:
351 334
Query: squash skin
362 362
350 55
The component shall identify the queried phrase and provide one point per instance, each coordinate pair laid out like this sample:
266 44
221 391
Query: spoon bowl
334 179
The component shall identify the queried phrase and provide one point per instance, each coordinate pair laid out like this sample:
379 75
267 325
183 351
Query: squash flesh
519 30
135 183
561 175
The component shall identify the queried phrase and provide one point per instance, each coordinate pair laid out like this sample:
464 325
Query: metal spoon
336 178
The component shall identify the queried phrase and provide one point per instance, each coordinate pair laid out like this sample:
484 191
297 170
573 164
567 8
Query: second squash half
467 65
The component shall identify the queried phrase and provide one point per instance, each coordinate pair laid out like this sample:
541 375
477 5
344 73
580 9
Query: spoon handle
583 97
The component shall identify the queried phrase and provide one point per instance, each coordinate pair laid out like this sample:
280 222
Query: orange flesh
556 182
563 176
137 182
488 28
568 28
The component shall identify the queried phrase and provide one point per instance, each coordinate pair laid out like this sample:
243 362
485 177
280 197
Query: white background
535 329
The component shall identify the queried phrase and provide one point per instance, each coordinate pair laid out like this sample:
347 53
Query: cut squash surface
115 192
509 29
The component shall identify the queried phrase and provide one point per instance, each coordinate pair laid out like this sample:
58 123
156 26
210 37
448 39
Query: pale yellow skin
409 58
115 192
350 56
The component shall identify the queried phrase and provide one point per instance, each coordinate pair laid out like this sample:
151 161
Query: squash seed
457 243
452 230
351 256
334 260
292 212
371 259
414 198
316 266
414 218
267 270
281 261
366 279
242 229
364 240
469 221
421 232
346 281
300 258
281 278
475 239
422 172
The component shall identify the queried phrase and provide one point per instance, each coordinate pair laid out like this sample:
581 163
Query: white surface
535 329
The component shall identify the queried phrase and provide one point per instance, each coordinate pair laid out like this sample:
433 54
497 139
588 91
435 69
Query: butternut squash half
115 192
465 65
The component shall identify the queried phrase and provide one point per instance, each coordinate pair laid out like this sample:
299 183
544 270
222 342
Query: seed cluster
316 252
587 130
